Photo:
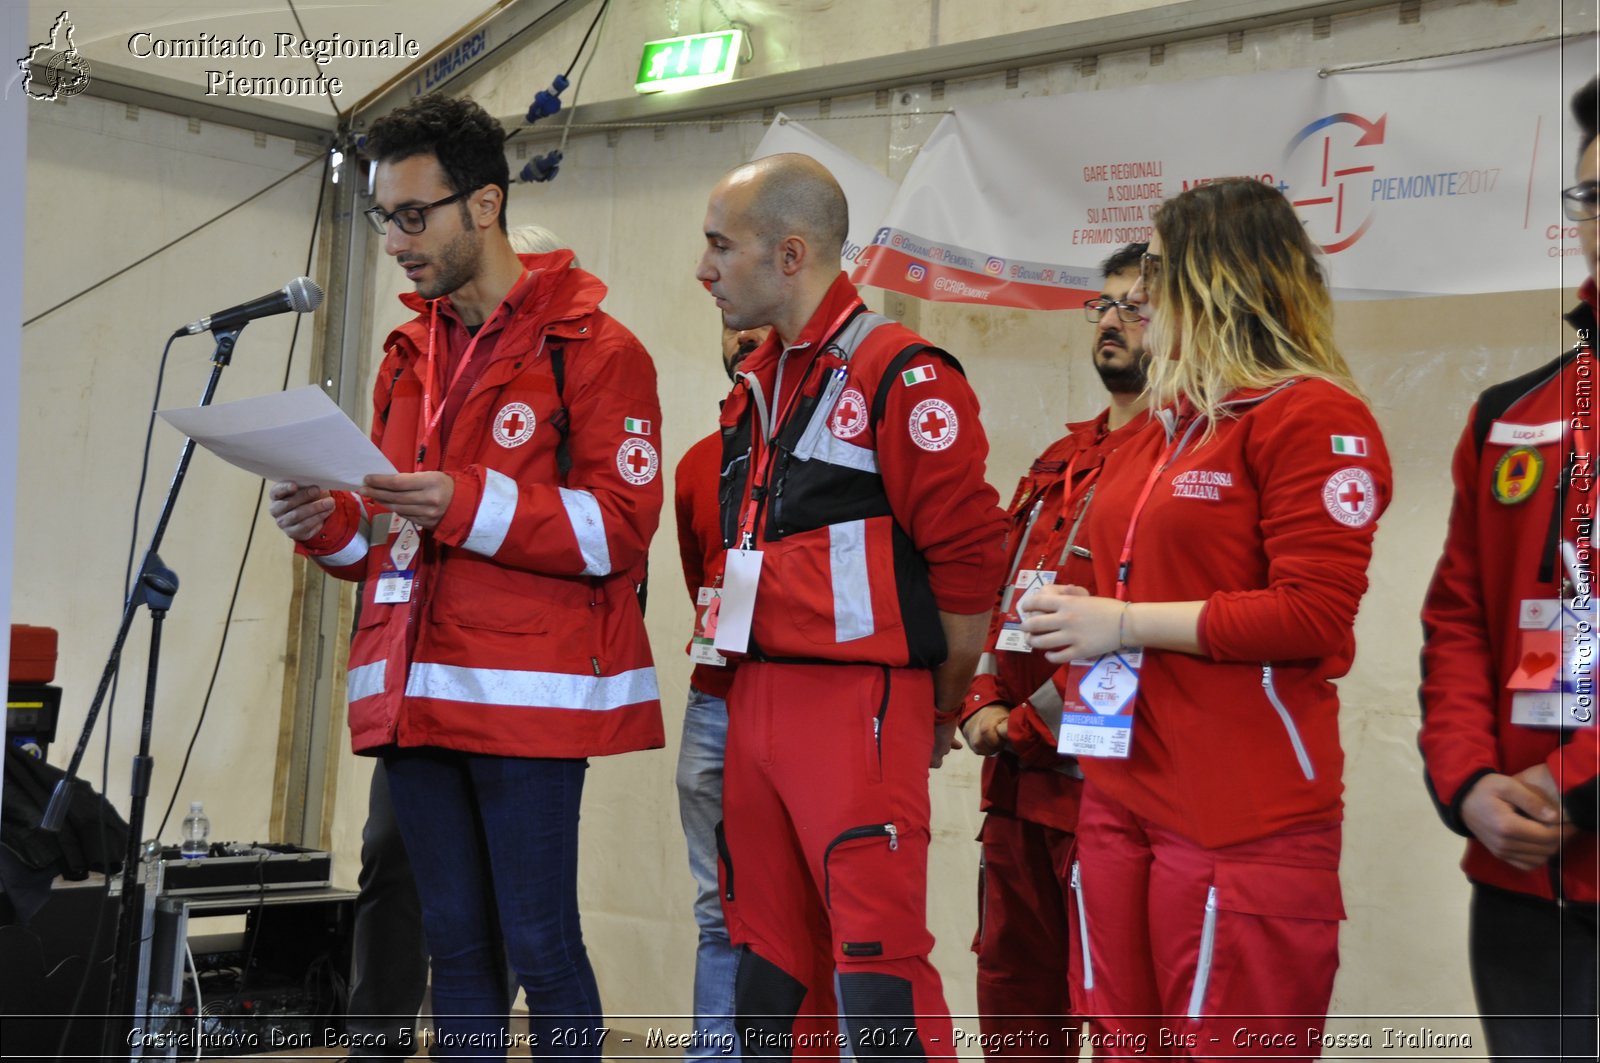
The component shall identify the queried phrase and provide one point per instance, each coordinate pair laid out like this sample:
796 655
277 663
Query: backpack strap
561 421
897 366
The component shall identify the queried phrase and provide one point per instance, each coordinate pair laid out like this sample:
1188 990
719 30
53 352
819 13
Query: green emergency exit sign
679 64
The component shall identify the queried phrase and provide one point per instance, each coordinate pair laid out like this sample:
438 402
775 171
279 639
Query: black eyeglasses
412 220
1095 309
1581 202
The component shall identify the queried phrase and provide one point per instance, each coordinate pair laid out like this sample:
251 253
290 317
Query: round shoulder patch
1516 475
933 424
1351 497
849 415
513 425
637 460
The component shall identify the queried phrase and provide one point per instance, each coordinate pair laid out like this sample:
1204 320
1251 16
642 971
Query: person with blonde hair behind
1230 551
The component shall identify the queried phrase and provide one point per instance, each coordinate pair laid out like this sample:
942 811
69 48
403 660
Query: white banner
867 191
1427 178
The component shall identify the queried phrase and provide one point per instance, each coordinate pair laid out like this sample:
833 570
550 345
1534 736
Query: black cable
338 114
170 243
111 705
250 538
133 547
603 5
598 15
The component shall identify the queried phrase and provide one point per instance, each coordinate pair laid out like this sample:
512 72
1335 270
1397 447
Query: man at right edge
1508 664
864 547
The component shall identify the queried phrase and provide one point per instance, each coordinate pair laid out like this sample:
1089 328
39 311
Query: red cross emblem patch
513 425
849 415
1350 497
637 460
933 424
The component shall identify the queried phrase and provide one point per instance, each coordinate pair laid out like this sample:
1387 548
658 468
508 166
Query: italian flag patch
631 424
1355 445
917 375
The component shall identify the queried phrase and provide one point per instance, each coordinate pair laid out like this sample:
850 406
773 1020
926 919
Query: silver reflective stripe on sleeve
350 552
987 665
1046 702
365 681
583 513
495 510
534 690
852 589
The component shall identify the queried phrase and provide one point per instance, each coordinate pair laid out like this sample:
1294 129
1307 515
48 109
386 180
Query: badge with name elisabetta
1097 705
1011 636
702 646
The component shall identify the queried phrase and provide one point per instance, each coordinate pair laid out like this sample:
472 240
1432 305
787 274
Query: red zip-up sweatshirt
1269 521
1498 555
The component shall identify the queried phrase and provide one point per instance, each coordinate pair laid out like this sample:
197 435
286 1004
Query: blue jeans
493 843
716 963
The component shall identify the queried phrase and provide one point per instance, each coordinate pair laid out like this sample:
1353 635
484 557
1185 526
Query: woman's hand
1070 624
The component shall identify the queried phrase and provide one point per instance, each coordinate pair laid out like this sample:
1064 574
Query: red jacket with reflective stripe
1497 556
523 635
1031 780
1269 522
694 494
868 527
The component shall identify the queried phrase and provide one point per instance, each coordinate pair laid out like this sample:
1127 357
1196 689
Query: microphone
301 295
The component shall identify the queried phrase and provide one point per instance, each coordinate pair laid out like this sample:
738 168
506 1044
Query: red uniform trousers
1024 939
825 823
1206 953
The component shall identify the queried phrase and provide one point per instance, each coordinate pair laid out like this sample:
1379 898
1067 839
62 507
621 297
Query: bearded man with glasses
501 639
1027 918
1508 665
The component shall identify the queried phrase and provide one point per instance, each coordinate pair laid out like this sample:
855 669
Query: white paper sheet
299 436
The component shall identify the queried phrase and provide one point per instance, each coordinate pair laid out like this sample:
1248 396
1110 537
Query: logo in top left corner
54 69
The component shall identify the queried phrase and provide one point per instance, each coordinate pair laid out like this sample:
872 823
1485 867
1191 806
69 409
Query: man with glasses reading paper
500 641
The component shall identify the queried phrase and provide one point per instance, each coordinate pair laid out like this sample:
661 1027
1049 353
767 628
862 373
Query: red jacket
1270 523
875 514
523 635
694 496
1496 557
1031 780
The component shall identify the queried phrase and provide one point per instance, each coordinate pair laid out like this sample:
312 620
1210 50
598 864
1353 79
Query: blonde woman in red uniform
1200 692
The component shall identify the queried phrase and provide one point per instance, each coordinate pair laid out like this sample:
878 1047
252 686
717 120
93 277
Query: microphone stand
155 587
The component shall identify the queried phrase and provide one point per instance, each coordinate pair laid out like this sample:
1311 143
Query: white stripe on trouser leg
534 690
852 588
495 510
583 512
365 681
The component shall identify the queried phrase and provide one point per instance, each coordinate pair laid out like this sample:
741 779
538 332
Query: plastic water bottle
196 832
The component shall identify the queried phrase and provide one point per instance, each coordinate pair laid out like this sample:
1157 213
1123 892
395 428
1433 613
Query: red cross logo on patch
849 414
1351 497
637 460
513 425
933 424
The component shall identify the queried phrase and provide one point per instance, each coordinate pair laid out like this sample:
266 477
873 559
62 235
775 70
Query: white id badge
1011 636
394 587
1097 705
741 574
407 542
707 610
